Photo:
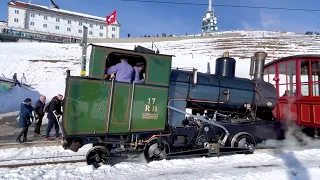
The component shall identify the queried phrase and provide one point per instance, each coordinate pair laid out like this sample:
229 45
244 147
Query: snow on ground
261 165
286 162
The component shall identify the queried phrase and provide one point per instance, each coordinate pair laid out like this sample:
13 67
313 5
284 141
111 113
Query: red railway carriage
296 79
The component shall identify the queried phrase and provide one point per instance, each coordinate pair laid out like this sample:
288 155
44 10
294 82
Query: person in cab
137 70
123 70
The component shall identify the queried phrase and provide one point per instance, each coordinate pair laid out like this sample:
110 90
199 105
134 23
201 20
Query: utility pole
84 51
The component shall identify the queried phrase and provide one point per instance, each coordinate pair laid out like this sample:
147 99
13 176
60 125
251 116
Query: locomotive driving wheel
156 150
97 156
244 140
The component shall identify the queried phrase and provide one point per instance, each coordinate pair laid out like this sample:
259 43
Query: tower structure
209 21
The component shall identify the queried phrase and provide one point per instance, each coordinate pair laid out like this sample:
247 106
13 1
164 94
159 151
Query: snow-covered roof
60 11
4 79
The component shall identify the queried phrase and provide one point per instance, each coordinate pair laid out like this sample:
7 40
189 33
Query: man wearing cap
124 71
137 69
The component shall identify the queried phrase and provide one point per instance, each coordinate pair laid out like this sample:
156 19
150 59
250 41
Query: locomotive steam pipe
251 66
227 133
260 58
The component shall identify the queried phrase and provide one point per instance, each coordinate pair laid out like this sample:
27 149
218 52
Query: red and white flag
111 18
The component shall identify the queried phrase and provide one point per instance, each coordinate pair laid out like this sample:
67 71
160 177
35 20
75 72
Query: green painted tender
96 106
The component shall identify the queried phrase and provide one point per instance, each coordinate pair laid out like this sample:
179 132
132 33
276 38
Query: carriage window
287 78
272 75
304 78
134 60
315 77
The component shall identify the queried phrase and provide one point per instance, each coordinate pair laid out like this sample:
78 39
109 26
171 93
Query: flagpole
107 30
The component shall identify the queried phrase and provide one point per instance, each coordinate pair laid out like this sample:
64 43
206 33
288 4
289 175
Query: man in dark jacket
15 80
39 113
54 106
24 119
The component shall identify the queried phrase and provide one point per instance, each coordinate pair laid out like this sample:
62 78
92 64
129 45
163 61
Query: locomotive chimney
259 58
225 66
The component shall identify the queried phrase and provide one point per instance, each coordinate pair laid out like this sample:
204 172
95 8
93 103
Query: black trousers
24 132
38 125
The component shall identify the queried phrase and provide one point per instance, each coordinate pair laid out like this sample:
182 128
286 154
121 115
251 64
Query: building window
68 29
57 27
32 23
101 34
113 35
113 29
16 11
32 15
69 21
80 23
45 17
101 27
90 32
15 20
80 31
91 25
44 25
57 20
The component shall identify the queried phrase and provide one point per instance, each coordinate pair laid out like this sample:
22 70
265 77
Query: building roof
57 11
296 57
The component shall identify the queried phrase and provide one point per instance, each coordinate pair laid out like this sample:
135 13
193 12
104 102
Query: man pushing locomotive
53 110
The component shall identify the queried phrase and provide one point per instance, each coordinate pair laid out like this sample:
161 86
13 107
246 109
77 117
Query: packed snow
45 65
282 163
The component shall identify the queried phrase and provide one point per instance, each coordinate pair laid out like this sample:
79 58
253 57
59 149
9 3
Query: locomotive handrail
131 106
204 120
109 108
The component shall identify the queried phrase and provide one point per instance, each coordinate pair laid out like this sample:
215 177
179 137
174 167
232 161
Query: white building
47 20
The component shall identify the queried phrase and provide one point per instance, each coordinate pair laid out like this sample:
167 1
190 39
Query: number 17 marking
151 99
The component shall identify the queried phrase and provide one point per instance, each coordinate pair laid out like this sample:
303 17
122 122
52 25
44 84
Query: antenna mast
210 6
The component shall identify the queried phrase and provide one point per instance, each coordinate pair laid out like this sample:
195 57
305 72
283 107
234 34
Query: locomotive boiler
224 95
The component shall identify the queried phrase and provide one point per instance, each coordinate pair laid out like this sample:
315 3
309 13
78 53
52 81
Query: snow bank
10 100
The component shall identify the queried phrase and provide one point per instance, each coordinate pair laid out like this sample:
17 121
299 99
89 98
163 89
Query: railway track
41 163
7 145
12 163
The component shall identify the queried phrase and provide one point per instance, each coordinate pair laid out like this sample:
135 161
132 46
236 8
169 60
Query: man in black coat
54 106
39 113
24 119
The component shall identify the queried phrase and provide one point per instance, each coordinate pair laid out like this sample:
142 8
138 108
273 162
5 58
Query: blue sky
139 19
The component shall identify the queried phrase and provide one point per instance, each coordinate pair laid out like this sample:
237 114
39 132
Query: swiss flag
111 18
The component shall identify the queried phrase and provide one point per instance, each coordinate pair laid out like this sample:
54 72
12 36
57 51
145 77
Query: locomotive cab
114 58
